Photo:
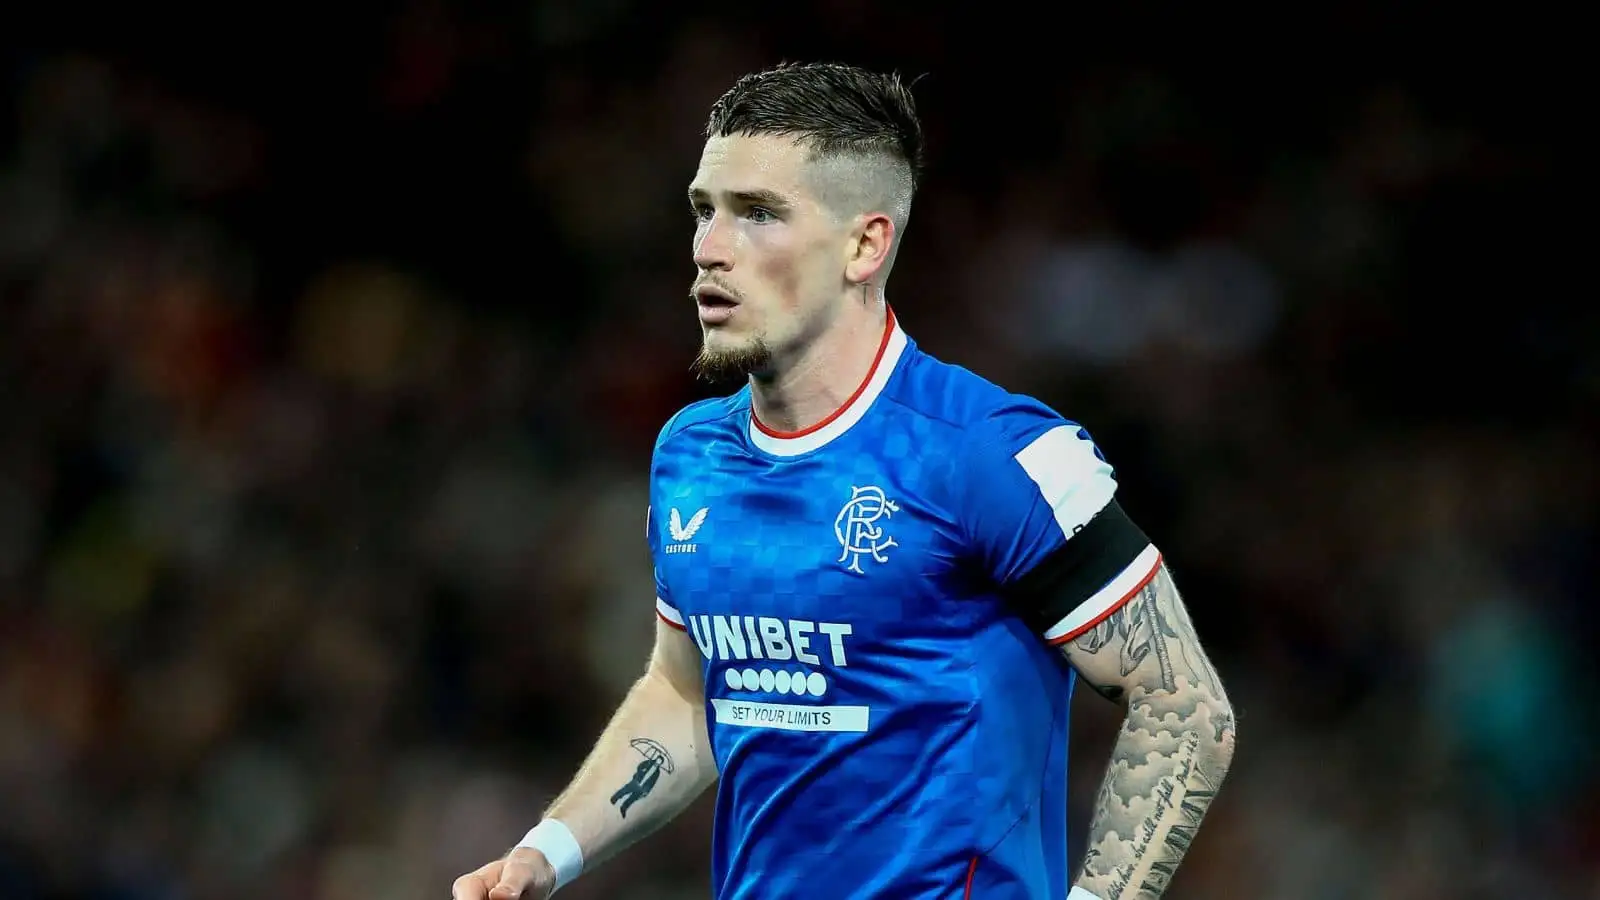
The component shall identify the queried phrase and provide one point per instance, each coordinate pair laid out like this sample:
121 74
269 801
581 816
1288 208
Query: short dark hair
832 107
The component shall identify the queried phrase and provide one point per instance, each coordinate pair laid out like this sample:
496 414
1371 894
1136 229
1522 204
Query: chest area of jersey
799 542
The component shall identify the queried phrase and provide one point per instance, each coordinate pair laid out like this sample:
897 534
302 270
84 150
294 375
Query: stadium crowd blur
329 373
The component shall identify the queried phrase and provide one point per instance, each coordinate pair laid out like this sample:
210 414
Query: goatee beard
734 364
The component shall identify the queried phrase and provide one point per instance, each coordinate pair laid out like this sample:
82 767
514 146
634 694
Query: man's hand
523 875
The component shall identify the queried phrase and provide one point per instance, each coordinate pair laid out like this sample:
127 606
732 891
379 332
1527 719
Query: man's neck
823 378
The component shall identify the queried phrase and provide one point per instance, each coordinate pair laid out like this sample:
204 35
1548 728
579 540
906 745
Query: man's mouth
712 297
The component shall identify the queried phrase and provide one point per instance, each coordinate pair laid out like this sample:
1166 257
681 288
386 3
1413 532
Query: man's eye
761 215
700 212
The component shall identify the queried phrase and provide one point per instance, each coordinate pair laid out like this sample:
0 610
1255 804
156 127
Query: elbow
1219 731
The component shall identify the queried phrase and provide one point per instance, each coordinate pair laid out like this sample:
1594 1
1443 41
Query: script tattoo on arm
1174 748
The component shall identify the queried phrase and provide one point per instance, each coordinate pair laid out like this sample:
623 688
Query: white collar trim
841 421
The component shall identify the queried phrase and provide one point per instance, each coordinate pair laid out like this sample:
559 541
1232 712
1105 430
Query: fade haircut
860 126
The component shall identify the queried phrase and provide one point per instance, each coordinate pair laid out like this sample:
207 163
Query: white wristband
1078 893
556 842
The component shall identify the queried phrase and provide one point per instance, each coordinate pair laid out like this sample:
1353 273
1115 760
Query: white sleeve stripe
1071 477
1108 599
669 614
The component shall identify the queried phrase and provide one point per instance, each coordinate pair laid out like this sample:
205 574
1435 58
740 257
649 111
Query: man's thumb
514 883
510 887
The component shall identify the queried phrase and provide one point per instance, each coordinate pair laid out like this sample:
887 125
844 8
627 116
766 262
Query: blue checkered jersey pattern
884 722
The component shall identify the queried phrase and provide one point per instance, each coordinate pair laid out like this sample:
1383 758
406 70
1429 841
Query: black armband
1104 563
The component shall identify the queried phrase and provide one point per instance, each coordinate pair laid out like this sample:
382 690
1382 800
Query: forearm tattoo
655 763
1174 748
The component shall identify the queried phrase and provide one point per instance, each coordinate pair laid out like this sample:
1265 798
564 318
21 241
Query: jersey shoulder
701 417
1030 491
971 405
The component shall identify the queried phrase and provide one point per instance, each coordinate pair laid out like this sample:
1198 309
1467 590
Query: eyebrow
748 198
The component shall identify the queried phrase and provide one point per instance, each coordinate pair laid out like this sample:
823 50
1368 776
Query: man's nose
713 245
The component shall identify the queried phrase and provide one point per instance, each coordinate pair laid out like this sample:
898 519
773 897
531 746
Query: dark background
334 341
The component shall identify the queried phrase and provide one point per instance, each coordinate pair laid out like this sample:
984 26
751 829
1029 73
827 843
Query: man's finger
514 880
469 887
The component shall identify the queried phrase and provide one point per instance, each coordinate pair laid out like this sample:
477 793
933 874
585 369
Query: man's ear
872 242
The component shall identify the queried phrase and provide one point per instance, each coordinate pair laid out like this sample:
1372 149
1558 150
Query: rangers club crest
859 530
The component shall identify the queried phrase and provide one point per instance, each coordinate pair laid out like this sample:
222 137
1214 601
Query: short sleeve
1037 501
665 608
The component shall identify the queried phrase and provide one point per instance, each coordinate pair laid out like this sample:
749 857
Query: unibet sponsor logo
743 639
765 637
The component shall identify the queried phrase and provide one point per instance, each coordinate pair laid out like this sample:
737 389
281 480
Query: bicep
676 660
1146 645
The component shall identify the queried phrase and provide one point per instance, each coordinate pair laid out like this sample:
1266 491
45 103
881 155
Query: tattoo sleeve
1173 750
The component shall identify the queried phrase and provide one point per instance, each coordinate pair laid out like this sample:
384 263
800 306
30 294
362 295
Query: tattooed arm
651 762
1174 748
1037 501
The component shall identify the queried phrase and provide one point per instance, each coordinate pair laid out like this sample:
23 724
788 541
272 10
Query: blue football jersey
886 722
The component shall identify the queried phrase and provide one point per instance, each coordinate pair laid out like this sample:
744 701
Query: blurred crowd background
334 344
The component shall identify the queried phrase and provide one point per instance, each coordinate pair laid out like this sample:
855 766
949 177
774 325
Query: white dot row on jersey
781 681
